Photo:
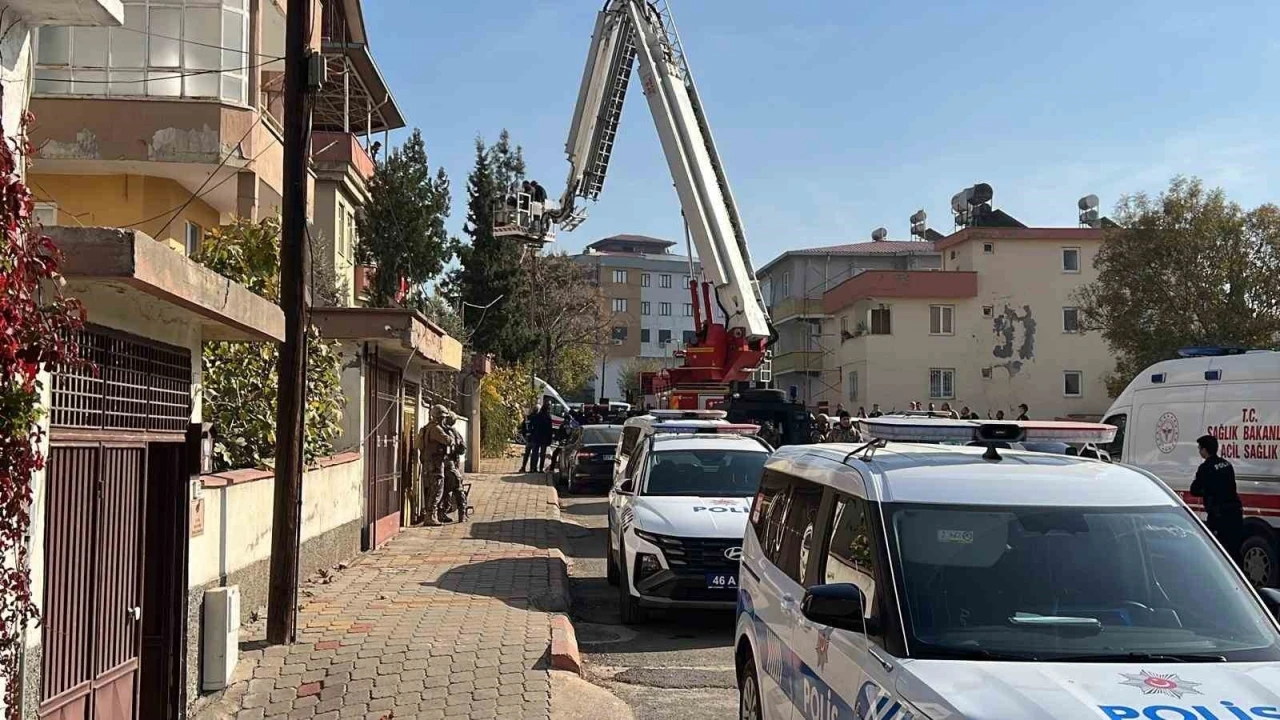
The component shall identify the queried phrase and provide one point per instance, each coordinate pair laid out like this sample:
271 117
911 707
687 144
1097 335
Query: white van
908 581
1235 398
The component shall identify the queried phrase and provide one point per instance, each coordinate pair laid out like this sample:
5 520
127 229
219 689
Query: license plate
606 458
722 581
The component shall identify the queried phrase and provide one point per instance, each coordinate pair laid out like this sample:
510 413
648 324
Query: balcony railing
336 147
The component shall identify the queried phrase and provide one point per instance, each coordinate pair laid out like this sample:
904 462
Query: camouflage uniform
821 431
842 434
452 471
434 445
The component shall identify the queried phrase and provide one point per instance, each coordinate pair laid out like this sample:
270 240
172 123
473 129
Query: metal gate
93 545
382 468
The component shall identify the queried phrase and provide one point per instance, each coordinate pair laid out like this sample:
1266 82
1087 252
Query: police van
909 579
677 513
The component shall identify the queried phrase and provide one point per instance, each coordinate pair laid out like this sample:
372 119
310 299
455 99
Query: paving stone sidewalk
439 622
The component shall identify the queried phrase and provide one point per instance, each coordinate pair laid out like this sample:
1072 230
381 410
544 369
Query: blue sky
834 118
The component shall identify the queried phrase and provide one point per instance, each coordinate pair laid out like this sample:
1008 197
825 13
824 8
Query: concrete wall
329 203
235 547
1022 344
15 66
120 200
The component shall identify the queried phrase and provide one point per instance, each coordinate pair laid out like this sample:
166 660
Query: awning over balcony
356 98
401 335
126 266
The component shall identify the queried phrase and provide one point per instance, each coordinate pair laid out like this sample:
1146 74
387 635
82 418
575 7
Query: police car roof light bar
937 430
678 428
689 414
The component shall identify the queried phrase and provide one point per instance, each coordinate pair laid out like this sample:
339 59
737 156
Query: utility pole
282 597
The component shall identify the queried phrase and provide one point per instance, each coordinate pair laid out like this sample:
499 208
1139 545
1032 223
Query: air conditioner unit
221 636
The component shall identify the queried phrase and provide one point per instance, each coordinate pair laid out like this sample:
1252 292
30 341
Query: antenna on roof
879 234
1088 206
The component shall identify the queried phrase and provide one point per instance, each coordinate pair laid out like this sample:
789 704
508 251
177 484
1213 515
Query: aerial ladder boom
631 30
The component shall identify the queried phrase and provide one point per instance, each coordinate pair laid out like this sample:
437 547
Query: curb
564 646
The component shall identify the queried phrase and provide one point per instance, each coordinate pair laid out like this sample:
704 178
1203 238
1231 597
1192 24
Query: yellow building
996 327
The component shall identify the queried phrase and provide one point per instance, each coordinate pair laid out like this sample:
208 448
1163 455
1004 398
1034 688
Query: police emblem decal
1161 684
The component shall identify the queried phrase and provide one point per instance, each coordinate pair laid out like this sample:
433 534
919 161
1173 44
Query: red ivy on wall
35 324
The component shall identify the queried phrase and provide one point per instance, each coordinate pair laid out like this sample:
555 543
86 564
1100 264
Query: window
988 311
346 230
165 48
844 325
784 287
1072 383
644 335
620 332
644 279
1070 260
797 533
664 337
690 337
881 321
851 382
986 373
850 555
664 280
769 510
941 319
619 305
191 238
644 307
1070 320
664 308
1116 448
620 276
988 248
688 309
46 214
942 384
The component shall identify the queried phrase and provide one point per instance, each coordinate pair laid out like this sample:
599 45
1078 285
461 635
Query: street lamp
604 356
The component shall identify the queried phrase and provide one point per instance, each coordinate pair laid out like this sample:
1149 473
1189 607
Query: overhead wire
176 76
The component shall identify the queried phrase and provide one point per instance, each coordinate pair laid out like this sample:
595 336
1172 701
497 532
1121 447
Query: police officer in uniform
434 445
821 430
1215 483
845 432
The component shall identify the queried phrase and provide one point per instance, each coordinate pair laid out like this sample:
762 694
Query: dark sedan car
586 460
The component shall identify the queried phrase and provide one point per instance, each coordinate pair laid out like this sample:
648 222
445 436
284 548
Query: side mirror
627 487
1271 598
838 605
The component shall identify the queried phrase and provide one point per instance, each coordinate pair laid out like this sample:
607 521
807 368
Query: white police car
909 581
677 515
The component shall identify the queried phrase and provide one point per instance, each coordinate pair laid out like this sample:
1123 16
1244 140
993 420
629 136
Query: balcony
798 361
102 13
340 151
793 307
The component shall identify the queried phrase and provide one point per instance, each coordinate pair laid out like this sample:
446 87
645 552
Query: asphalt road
676 665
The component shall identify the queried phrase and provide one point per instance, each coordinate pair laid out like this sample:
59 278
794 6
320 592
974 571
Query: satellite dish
918 217
980 194
1088 202
879 234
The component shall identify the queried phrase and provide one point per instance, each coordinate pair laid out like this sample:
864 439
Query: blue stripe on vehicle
809 693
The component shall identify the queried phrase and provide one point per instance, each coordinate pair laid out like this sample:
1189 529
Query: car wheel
749 706
628 605
1259 560
611 567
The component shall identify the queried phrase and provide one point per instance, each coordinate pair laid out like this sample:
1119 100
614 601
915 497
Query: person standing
840 411
821 431
1215 484
434 445
526 431
1022 412
453 471
543 433
875 410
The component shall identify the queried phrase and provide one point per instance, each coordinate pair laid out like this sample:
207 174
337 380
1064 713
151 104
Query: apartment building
646 288
158 120
793 285
994 327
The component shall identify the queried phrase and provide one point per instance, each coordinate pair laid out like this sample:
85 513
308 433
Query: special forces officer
453 472
435 443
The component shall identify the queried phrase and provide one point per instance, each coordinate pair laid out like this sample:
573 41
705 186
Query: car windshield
601 434
705 473
1064 584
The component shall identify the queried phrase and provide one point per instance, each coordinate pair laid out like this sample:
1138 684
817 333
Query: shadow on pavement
586 508
519 582
541 533
539 479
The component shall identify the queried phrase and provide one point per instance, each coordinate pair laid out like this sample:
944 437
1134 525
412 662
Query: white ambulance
1233 396
906 579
